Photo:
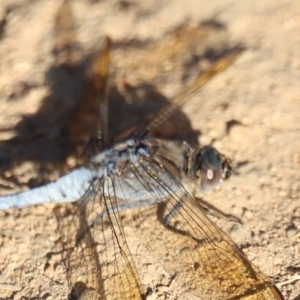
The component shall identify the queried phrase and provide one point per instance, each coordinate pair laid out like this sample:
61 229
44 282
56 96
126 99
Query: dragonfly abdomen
68 188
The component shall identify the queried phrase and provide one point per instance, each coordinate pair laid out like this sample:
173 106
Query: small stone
246 167
205 140
283 193
23 248
151 268
238 133
23 66
248 214
291 230
15 257
282 184
40 210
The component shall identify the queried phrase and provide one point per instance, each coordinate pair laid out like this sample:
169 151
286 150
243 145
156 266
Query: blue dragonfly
145 187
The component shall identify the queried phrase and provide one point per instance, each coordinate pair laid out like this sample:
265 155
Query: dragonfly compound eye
208 168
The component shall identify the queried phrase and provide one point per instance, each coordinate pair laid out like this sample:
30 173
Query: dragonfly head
210 168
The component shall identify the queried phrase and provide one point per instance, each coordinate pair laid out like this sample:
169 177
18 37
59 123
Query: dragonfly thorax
205 165
115 159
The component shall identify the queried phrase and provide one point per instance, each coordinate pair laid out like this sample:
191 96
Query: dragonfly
143 189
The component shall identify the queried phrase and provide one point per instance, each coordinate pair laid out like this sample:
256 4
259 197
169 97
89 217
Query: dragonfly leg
213 211
171 214
206 207
165 221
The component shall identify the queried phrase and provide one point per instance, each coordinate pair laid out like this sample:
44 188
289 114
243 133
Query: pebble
283 193
283 184
205 140
245 135
23 248
246 167
22 66
238 133
15 257
40 210
248 214
291 230
151 268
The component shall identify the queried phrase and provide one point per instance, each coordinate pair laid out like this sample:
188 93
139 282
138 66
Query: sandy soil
251 112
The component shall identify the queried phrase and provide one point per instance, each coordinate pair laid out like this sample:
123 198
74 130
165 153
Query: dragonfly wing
92 115
204 261
100 90
65 35
101 257
188 92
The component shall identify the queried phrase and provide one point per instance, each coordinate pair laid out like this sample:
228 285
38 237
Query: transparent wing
101 258
65 35
187 93
92 116
204 261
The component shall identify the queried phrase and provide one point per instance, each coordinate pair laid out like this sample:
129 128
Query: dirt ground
250 112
